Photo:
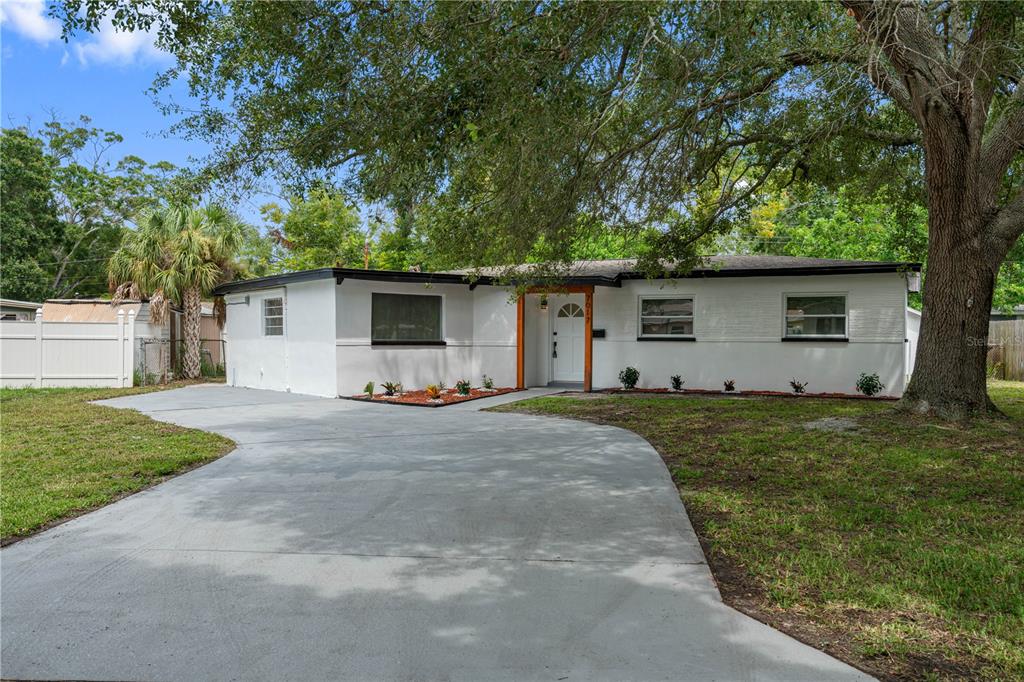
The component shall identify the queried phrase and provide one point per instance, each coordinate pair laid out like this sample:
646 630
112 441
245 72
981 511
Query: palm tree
176 255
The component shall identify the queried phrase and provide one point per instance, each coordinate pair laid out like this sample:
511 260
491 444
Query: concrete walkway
343 540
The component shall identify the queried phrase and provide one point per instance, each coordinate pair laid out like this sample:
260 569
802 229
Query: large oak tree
513 121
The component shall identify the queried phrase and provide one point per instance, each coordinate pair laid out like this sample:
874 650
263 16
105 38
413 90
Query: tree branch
1007 227
900 30
1002 144
984 54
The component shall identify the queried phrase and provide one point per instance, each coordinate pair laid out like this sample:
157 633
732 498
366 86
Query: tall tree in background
176 256
28 217
518 118
322 230
97 197
92 197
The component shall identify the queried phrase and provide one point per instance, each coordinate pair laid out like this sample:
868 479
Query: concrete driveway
350 541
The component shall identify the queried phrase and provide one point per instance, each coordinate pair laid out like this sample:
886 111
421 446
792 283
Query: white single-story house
760 320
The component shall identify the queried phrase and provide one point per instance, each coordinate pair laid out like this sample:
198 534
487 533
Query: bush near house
892 541
61 455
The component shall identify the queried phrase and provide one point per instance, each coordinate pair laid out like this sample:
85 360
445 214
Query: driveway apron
345 540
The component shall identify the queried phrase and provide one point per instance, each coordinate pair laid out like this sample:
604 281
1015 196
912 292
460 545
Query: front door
567 340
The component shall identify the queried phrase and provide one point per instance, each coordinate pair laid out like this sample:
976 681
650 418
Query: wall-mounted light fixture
543 301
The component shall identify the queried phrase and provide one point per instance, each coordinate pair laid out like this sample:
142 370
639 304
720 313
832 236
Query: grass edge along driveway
61 456
897 546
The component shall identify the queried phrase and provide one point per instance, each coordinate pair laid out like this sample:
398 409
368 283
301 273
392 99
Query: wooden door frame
588 330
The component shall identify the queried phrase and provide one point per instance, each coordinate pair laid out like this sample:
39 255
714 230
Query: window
273 317
405 319
816 316
570 310
666 317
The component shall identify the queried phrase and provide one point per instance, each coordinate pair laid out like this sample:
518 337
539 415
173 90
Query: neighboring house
158 343
761 320
21 311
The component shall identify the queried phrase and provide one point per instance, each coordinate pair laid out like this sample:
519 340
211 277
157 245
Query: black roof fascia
273 281
873 268
341 274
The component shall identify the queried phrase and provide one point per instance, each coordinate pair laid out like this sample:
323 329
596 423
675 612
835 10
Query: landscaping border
749 394
384 401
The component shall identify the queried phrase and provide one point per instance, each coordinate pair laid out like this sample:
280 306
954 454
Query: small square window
273 317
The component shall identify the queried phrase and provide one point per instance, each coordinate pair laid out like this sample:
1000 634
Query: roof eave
868 268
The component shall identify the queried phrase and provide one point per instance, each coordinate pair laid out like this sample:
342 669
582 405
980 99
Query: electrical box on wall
598 333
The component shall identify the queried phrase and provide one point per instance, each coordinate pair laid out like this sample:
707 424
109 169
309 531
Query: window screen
666 317
273 317
405 317
816 316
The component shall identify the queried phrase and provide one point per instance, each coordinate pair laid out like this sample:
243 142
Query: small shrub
629 377
137 378
730 384
208 369
869 384
441 386
391 388
462 387
677 382
434 391
488 383
368 389
798 386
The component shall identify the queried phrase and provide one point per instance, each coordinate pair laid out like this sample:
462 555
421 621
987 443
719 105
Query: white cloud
28 18
109 46
105 46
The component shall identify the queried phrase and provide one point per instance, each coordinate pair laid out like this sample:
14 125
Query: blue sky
104 76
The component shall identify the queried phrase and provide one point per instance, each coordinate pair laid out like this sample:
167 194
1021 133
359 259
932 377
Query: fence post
120 345
130 351
39 348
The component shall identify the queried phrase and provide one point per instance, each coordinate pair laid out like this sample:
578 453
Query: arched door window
570 310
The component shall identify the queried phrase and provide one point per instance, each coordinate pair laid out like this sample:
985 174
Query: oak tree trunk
950 376
950 369
190 365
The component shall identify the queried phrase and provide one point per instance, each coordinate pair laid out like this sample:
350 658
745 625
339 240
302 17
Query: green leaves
176 249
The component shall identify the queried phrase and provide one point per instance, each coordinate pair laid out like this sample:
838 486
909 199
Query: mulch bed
420 399
772 394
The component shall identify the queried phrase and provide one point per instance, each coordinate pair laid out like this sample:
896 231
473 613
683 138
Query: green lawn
60 455
898 546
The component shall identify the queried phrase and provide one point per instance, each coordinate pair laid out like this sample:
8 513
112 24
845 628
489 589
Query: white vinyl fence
62 354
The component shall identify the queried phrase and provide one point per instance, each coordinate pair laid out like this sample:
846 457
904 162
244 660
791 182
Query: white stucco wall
302 360
479 329
738 324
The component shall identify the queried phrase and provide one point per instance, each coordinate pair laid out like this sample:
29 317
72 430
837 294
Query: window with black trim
816 316
273 317
666 317
405 318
